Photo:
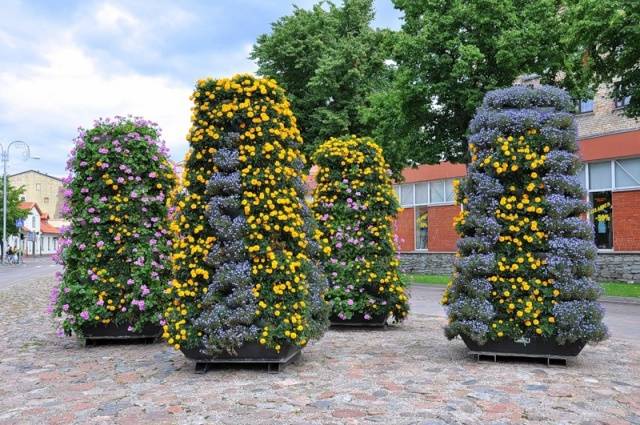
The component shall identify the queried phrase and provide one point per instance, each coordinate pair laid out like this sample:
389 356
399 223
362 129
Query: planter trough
358 321
249 353
114 334
541 348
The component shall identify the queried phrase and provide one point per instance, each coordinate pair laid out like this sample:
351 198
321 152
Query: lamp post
4 156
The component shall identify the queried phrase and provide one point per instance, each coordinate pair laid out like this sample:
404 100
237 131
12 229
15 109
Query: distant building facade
37 236
44 190
609 147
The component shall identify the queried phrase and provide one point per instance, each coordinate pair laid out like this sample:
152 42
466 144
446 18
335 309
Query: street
32 269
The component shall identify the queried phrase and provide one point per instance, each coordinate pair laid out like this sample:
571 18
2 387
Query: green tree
606 36
451 52
330 61
13 211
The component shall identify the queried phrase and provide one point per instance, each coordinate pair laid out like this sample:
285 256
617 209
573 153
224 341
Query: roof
37 172
29 205
48 228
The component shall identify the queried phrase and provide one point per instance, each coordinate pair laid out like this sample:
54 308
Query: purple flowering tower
116 250
523 272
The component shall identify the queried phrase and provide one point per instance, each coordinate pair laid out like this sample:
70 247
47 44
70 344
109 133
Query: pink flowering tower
116 250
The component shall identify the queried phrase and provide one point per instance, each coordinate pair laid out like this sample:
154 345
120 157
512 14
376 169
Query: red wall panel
442 235
626 220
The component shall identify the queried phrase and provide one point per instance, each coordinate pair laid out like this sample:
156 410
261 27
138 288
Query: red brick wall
405 229
626 220
442 235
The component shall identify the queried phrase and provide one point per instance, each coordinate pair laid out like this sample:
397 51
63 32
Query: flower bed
355 206
115 251
245 257
525 257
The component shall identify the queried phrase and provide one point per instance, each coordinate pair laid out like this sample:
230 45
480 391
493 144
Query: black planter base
248 354
525 348
119 334
358 321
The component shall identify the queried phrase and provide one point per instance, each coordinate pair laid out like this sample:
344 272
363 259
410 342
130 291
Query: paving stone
407 375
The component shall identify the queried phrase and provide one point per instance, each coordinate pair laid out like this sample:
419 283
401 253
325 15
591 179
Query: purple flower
85 315
65 307
350 302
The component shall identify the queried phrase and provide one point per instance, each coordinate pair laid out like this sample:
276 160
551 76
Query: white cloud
112 17
71 89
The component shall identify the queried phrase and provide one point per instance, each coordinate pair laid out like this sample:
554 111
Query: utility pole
4 155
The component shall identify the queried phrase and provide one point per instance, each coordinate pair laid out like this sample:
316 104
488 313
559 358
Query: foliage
330 61
245 244
449 55
115 250
355 206
525 257
13 211
606 35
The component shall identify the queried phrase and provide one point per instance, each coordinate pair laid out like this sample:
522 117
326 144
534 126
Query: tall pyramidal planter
523 283
116 251
248 286
355 207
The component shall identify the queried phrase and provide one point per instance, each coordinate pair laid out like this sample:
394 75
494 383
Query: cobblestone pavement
405 375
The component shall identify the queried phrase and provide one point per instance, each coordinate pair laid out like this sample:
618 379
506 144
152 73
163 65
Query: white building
37 237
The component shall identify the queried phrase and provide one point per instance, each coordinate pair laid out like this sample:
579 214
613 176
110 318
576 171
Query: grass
611 289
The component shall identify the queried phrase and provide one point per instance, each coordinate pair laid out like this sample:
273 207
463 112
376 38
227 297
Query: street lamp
4 156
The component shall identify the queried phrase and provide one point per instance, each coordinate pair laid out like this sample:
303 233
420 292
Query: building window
627 173
585 106
601 218
438 192
33 223
422 227
38 187
422 193
623 102
406 195
46 199
600 175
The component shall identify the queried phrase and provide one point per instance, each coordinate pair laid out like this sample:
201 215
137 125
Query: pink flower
100 302
85 315
65 307
350 302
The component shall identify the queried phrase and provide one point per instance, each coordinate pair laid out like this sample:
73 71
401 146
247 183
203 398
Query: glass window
422 193
38 187
621 103
600 214
628 172
582 176
406 195
585 106
422 227
437 191
46 199
449 190
600 175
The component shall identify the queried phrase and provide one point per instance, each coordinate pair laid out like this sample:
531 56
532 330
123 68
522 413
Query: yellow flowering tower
522 281
355 206
245 246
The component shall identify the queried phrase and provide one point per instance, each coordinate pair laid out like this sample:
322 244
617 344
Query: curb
604 299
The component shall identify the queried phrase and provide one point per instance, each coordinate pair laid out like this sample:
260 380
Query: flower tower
355 207
522 280
247 279
116 250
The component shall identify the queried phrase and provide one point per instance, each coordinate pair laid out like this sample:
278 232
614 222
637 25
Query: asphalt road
623 319
32 269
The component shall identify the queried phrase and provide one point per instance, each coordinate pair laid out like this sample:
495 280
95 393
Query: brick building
43 189
609 146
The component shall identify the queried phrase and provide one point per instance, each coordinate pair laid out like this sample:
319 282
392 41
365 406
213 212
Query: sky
65 63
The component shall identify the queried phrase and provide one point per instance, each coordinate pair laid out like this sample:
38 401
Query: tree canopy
330 60
13 211
606 36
